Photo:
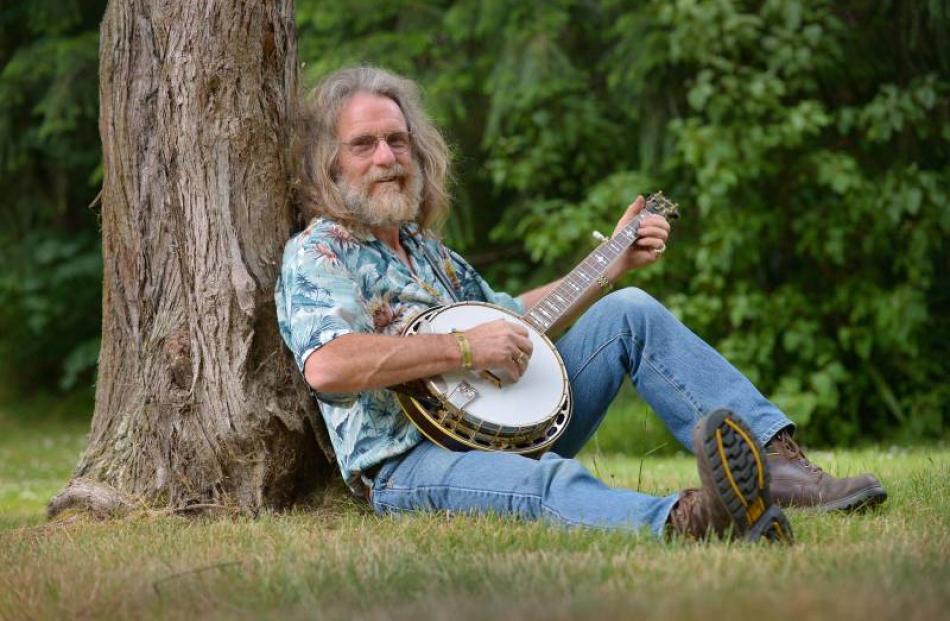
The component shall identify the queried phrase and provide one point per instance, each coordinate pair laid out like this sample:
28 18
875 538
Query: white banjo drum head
531 401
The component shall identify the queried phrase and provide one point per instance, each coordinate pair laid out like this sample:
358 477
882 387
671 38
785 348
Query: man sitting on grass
373 172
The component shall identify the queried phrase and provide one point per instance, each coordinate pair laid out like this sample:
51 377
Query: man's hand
651 242
653 233
500 344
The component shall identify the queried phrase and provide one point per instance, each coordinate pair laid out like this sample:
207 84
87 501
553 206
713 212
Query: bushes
804 140
50 265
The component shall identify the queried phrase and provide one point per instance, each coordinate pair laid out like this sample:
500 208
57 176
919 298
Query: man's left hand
653 233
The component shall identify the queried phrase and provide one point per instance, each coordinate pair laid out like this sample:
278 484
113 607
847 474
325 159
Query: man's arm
356 362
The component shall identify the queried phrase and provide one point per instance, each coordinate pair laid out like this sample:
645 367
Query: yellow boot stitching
755 453
725 467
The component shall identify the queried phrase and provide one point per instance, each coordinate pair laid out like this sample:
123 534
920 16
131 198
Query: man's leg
683 379
676 372
734 499
553 489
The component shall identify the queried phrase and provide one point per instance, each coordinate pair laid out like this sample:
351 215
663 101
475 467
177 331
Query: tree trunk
198 403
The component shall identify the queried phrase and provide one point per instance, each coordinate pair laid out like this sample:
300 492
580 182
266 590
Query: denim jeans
626 333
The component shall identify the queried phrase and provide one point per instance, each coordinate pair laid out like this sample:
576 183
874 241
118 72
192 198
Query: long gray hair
316 147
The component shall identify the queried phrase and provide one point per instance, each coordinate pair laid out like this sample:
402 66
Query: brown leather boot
734 500
796 482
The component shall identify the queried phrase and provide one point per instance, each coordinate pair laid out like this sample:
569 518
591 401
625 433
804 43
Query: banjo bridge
462 395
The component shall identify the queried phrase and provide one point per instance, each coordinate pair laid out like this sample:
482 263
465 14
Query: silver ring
521 359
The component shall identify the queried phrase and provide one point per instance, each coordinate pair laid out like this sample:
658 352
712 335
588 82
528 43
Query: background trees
805 141
50 171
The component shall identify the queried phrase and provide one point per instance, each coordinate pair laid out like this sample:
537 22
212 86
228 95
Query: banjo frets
552 307
464 410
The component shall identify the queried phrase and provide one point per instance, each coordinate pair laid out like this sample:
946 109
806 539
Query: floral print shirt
334 281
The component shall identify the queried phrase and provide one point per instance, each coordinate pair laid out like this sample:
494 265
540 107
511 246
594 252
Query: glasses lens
398 142
362 145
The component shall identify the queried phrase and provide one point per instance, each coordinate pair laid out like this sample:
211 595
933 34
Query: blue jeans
626 333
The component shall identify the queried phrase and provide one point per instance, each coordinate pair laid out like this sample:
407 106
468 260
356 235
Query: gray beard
394 207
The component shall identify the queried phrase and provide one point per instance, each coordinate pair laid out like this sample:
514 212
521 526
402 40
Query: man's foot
734 500
796 482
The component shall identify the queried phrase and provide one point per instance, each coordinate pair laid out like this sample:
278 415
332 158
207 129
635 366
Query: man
373 171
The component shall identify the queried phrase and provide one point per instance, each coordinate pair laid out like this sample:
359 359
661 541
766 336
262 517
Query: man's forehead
369 113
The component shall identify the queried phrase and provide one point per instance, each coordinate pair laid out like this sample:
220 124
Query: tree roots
90 497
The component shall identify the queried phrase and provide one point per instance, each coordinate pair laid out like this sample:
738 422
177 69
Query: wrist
605 285
463 350
614 273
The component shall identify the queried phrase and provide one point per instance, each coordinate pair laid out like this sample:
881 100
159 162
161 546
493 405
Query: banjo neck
561 300
461 410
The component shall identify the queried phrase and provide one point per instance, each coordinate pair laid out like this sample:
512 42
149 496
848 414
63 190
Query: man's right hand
500 344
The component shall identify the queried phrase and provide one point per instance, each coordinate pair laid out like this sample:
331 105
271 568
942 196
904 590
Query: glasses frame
364 151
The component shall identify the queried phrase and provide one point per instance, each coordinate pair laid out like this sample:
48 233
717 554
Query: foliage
50 265
806 142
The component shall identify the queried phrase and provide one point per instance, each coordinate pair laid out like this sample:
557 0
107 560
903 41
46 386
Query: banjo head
515 408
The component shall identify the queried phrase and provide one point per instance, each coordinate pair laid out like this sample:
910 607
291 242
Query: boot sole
732 462
859 501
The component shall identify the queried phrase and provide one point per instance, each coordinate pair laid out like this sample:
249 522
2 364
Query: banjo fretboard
558 302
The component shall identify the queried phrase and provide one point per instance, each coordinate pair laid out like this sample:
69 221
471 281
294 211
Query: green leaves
805 140
893 109
49 309
845 227
50 265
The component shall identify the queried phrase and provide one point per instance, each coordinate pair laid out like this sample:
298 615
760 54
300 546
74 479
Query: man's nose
383 155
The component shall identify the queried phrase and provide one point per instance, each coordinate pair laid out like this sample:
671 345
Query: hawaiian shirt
334 281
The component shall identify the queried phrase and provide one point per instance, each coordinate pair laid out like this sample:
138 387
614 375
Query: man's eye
363 143
397 141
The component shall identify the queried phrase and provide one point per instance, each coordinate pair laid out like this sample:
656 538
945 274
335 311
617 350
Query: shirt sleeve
474 287
318 300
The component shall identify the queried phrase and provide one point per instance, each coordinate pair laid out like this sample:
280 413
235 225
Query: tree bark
197 402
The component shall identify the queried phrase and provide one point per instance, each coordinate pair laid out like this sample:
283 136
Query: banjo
476 409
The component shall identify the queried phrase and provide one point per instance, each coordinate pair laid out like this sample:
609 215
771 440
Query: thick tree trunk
197 402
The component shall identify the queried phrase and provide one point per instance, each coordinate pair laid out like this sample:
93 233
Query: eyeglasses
364 146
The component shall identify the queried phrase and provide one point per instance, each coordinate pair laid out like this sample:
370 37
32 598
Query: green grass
339 561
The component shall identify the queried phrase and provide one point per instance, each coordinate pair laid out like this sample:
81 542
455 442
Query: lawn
336 560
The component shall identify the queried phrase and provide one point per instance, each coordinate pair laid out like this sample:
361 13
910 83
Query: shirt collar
407 230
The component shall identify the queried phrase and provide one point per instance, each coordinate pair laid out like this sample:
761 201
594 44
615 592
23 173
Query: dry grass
341 562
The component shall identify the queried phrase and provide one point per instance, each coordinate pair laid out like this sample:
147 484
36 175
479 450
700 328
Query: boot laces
789 448
690 516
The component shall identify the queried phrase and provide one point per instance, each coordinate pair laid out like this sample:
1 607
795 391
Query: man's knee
561 475
631 301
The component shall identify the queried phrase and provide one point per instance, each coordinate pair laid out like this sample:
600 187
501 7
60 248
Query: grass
339 561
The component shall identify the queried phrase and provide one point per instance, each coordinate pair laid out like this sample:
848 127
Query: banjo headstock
662 206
